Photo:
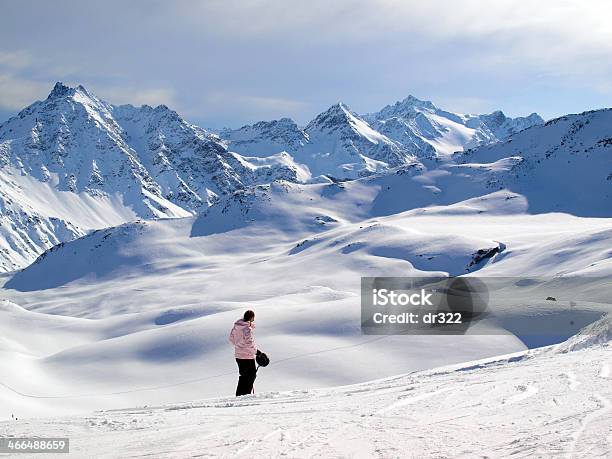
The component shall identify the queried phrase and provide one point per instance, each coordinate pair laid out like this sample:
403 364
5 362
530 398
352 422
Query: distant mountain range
341 143
73 163
422 127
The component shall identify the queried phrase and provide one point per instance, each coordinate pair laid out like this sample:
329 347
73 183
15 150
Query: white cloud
546 32
16 93
18 89
567 43
136 95
237 61
14 59
226 103
579 23
466 104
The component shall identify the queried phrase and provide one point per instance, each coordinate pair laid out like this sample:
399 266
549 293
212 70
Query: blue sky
227 63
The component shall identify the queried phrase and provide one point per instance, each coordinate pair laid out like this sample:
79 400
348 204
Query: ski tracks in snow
551 405
413 399
604 406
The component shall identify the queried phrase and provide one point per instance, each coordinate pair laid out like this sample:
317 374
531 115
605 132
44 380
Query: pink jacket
243 340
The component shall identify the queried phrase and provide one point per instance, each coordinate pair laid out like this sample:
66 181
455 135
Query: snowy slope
429 131
36 216
147 305
564 165
540 404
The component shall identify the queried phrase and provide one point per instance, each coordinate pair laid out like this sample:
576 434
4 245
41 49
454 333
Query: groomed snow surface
546 403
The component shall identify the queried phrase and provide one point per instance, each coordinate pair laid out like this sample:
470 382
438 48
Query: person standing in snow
245 352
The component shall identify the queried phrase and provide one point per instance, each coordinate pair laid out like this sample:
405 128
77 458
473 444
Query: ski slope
555 401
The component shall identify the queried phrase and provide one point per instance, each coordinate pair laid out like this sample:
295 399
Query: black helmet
262 359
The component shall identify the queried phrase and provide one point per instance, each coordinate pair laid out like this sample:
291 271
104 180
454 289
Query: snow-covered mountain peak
141 161
503 125
265 138
332 118
428 131
283 128
409 106
60 90
340 120
340 138
337 143
407 129
282 123
535 118
77 94
92 146
496 116
338 107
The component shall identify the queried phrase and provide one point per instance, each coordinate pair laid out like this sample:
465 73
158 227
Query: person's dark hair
249 316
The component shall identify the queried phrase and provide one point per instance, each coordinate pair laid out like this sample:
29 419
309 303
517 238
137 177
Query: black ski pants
248 373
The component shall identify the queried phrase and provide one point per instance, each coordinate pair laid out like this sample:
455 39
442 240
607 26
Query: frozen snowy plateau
130 240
